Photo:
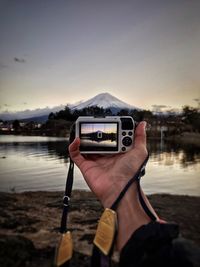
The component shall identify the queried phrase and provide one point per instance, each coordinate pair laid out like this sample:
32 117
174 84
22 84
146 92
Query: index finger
75 153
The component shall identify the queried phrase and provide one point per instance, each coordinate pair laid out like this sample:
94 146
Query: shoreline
36 215
185 138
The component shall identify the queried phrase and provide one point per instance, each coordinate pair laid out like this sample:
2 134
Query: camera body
105 135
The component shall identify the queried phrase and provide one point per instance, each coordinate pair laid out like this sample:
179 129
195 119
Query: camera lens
127 141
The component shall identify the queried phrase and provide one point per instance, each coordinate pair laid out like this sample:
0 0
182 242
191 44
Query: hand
107 175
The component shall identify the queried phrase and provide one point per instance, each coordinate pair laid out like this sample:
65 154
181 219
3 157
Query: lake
30 163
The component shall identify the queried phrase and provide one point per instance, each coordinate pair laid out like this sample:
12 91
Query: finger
140 135
75 152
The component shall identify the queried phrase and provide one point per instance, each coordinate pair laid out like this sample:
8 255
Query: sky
145 52
94 127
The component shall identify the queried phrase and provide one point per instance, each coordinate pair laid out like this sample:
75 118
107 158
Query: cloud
159 108
197 100
19 60
174 111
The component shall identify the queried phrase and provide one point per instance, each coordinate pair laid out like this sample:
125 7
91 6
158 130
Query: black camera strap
64 249
67 196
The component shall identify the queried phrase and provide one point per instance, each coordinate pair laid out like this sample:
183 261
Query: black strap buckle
66 200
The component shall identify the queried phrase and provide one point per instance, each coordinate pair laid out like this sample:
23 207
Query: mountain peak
104 95
104 100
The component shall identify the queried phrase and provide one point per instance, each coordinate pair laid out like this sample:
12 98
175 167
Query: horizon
155 109
146 54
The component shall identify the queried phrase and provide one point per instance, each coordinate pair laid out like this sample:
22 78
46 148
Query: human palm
107 175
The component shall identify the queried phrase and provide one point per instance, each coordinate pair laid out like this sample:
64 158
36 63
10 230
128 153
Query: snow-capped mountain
104 100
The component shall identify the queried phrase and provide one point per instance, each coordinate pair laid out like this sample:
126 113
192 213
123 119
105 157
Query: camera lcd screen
99 136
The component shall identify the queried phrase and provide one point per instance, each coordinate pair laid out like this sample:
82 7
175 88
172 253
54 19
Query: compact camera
105 135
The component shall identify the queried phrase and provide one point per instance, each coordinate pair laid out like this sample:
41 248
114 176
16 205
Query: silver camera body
105 135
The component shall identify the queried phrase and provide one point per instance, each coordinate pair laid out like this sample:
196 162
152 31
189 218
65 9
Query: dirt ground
29 224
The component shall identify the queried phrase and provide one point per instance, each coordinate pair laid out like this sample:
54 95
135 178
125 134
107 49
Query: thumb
75 153
140 135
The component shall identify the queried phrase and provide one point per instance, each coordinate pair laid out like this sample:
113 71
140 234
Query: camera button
127 141
123 148
123 133
130 133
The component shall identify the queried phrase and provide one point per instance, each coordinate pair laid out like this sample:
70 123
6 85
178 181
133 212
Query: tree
192 116
51 116
123 112
16 125
65 114
108 112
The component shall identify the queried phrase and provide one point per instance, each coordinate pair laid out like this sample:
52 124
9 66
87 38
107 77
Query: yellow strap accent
64 250
106 230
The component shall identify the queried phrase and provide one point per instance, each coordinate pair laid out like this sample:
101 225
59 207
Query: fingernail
144 124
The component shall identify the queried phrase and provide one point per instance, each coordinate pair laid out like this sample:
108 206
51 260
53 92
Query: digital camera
105 135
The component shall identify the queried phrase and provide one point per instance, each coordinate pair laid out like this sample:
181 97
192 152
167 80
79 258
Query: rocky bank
29 224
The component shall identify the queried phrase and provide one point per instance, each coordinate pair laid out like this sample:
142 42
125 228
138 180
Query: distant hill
39 115
40 119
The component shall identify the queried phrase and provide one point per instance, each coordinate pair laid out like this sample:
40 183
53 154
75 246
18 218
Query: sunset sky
145 52
94 127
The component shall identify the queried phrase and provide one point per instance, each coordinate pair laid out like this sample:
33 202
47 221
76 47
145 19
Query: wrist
112 193
130 216
130 213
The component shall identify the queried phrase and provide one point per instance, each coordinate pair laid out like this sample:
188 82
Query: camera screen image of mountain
105 135
99 136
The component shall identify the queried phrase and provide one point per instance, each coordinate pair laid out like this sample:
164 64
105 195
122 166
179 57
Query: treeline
69 115
59 123
188 116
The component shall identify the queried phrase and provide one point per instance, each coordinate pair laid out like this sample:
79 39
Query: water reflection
169 154
41 164
54 149
105 143
32 163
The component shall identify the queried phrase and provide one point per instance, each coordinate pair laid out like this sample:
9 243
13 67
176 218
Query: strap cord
68 187
136 178
67 196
